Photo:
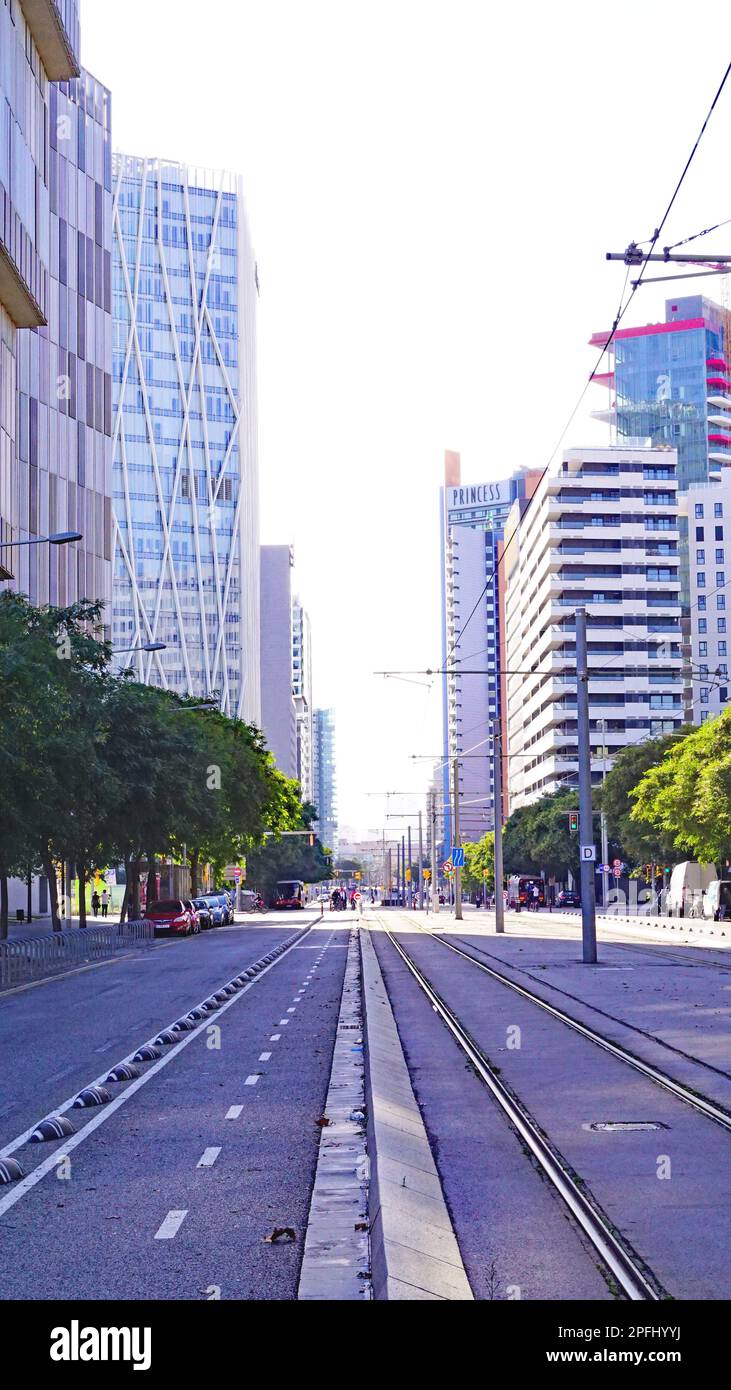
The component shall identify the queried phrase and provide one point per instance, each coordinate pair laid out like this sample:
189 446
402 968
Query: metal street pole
410 881
586 822
497 783
421 868
434 867
402 897
457 841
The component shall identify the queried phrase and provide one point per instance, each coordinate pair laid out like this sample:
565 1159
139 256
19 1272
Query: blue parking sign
458 857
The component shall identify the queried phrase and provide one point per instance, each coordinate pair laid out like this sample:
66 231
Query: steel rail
700 1103
623 1266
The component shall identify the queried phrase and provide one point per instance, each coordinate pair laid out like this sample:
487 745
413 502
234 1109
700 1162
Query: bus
289 892
520 890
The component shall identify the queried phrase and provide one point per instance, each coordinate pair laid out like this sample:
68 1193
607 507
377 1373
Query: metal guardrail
35 957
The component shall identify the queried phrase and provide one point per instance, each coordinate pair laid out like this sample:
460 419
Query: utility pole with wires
457 842
587 849
497 783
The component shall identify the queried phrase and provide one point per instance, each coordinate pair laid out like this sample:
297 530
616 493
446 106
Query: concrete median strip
414 1251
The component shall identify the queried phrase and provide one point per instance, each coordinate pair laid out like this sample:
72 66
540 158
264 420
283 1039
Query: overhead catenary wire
622 310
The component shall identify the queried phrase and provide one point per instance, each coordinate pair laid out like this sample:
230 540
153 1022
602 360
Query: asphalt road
173 1193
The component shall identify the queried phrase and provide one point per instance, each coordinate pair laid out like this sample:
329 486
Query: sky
432 186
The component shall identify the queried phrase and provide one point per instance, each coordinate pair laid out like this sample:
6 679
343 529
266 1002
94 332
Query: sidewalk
41 925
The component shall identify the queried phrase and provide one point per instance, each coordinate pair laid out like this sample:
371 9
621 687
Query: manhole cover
609 1126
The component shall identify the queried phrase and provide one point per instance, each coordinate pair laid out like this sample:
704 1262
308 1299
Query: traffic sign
232 871
617 871
458 857
427 874
447 866
408 875
588 854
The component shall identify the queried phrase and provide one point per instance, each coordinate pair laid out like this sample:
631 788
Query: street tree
686 797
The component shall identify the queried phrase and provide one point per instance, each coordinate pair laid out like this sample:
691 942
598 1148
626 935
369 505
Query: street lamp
143 647
56 538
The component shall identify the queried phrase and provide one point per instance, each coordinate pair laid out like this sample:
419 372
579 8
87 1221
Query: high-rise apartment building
472 523
324 777
278 712
670 383
601 532
186 533
55 307
708 512
302 695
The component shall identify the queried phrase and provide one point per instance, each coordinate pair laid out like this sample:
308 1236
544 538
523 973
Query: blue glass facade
186 569
324 777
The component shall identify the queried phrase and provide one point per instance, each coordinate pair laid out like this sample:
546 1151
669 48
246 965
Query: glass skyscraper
186 542
55 306
324 778
670 383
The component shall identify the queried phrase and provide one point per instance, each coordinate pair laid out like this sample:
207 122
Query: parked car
717 900
175 916
217 908
568 898
205 913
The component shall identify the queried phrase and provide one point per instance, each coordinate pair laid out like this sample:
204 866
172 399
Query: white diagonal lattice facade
186 528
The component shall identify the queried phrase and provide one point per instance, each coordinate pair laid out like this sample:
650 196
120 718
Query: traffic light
574 822
311 841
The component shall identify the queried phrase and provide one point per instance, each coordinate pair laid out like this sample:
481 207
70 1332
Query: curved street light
56 538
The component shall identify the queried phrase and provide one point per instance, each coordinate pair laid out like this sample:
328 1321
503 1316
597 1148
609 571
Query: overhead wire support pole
498 803
457 842
586 822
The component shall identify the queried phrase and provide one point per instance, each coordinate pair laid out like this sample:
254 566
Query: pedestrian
536 896
95 903
105 902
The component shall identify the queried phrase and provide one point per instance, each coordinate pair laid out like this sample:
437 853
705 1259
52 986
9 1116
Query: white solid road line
252 1080
171 1225
264 1056
208 1158
233 1112
25 1184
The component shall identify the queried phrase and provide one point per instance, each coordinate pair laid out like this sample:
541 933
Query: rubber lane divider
626 1269
27 1182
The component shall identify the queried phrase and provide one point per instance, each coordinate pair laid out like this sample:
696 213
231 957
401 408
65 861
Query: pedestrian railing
33 957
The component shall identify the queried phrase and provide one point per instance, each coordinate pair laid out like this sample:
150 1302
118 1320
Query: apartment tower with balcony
601 532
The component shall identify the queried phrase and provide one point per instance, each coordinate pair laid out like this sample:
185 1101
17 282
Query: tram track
623 1265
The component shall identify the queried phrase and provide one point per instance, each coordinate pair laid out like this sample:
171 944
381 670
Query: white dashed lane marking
171 1225
275 1037
251 1080
291 1011
208 1158
282 1022
233 1112
264 1056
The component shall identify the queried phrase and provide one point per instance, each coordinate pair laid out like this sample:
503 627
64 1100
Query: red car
173 915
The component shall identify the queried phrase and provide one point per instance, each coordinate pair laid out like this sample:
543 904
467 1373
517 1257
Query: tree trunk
82 872
151 877
50 872
194 858
126 899
3 906
133 905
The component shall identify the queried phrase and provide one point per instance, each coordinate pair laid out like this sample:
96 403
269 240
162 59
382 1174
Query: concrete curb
414 1251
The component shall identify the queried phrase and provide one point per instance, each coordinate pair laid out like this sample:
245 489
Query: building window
702 603
704 695
699 510
700 557
701 580
720 624
703 672
718 509
719 533
704 715
720 579
721 601
703 649
703 624
700 534
722 667
719 557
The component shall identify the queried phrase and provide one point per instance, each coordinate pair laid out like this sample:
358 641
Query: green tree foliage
479 857
291 857
686 797
95 769
638 841
537 837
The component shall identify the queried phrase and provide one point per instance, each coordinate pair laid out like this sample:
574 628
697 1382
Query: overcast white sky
431 186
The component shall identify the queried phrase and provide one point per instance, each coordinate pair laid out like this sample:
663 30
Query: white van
688 883
717 900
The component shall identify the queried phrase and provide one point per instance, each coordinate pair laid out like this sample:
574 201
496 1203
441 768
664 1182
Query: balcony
55 46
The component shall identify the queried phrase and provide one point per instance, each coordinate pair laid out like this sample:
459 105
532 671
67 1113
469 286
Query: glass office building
55 306
324 778
186 544
669 383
